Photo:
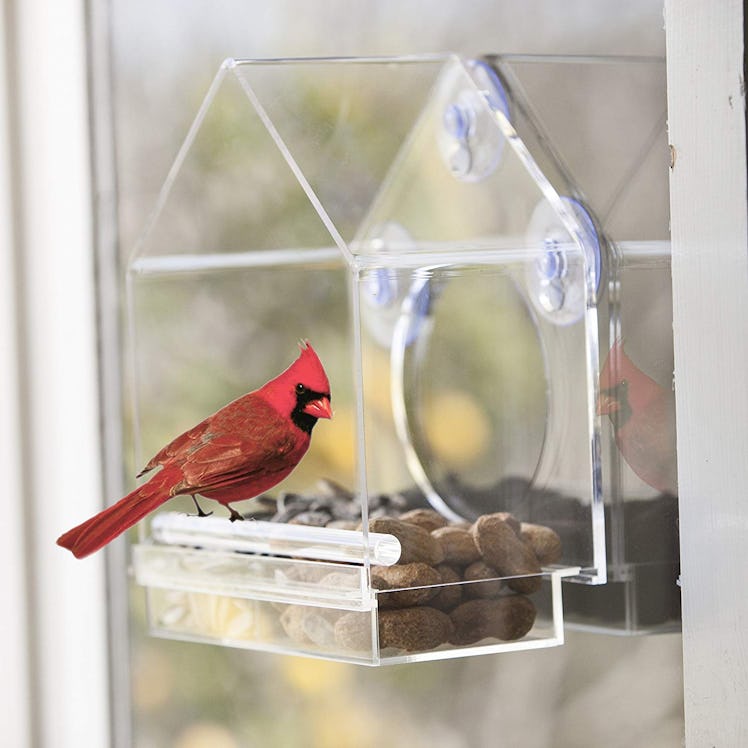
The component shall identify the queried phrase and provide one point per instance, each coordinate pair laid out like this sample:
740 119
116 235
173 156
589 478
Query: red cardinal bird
237 453
643 417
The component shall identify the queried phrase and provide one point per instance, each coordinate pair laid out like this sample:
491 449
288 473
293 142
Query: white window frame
55 684
709 230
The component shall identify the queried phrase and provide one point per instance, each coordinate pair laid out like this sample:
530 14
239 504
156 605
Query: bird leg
200 512
234 514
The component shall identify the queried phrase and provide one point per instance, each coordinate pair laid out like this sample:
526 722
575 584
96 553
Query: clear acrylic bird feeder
417 220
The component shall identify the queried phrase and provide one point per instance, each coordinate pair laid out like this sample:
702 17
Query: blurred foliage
485 351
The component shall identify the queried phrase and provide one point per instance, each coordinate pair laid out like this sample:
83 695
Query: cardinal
242 450
643 416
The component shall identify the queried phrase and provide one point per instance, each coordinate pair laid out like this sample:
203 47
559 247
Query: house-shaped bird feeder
480 265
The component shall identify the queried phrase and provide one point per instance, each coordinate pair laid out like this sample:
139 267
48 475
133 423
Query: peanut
457 544
305 624
415 578
353 631
480 570
450 593
506 618
428 519
544 541
507 553
509 518
414 629
416 543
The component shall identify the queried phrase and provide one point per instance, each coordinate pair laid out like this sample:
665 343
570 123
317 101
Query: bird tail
102 528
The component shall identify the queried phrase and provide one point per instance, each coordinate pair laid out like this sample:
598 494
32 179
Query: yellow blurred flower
153 679
315 676
337 445
457 428
345 724
206 735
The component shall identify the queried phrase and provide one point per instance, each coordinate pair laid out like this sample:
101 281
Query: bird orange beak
319 408
607 403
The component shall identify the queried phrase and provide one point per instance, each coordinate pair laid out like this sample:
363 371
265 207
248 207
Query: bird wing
178 447
242 416
257 442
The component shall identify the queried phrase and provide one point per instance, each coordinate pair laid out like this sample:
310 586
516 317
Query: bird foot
200 512
234 515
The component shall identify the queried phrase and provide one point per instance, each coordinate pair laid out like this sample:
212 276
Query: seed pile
331 505
455 583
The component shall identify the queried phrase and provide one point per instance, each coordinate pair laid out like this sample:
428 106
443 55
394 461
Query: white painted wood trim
59 655
706 101
15 714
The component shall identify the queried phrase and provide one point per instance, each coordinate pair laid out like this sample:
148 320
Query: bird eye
300 388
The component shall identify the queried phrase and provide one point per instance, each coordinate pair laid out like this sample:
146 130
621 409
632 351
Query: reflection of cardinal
643 417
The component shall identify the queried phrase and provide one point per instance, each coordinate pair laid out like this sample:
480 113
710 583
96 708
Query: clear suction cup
384 291
567 268
469 141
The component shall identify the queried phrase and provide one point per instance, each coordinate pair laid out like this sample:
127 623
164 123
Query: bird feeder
468 247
